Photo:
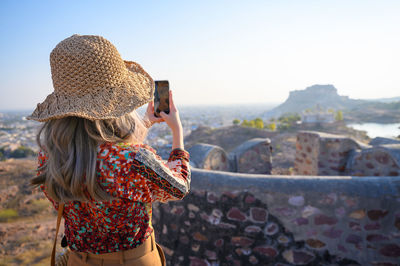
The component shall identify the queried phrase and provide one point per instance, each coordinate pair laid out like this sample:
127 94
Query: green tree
245 123
289 118
252 123
236 121
339 115
259 123
271 126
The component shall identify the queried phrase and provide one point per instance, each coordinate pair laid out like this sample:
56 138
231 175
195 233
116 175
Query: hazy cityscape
17 131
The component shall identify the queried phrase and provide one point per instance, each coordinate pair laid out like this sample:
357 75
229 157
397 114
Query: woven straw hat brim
104 102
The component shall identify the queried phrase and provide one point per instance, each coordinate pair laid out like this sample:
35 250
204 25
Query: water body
378 130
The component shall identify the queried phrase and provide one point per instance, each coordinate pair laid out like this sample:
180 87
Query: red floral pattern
136 176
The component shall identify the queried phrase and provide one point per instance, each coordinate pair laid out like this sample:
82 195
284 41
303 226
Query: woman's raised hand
172 119
149 117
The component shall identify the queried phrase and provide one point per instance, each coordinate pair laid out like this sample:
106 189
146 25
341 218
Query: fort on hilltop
326 96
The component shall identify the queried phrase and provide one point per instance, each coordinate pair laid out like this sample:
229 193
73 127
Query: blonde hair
70 144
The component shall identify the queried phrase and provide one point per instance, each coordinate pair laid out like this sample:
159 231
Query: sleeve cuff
179 153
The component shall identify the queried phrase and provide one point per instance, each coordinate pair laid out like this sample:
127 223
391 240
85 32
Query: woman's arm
166 180
172 119
148 178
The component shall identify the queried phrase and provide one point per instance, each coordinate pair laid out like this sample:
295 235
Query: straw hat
91 80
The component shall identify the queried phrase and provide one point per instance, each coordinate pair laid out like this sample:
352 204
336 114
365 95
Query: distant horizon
269 104
213 104
212 52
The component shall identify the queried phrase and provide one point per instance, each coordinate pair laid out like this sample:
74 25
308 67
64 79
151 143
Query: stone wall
252 156
377 161
307 154
244 219
327 154
209 157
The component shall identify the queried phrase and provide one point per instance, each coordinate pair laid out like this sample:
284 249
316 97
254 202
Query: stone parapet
327 154
377 161
244 219
253 156
209 157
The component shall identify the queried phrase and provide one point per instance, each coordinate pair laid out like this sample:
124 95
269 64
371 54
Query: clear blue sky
212 51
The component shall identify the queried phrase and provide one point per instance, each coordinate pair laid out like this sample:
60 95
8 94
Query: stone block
253 157
209 157
322 153
376 161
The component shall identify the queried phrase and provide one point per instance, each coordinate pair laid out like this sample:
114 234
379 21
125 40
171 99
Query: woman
92 157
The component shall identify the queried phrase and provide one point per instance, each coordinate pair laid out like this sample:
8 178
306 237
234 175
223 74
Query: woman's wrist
177 139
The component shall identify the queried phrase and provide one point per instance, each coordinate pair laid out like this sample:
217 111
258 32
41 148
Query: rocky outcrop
325 96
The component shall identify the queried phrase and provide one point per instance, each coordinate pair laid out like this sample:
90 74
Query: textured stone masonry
252 156
377 161
243 219
327 154
209 157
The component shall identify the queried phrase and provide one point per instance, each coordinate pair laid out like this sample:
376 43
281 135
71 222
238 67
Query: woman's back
104 185
136 176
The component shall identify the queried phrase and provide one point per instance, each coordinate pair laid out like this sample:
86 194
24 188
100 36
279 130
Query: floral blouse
136 176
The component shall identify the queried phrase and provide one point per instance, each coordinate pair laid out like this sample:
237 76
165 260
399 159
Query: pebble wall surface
327 154
244 219
377 161
209 157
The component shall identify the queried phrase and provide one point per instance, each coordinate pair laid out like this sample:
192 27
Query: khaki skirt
147 254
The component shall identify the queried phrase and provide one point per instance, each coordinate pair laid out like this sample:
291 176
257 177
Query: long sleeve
137 173
166 180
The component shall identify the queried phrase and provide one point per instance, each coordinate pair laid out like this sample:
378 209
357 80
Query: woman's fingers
163 114
150 115
171 102
150 108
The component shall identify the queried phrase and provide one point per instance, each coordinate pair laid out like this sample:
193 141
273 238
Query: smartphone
161 97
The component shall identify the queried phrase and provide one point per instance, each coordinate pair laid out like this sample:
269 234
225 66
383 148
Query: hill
386 100
327 97
374 112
